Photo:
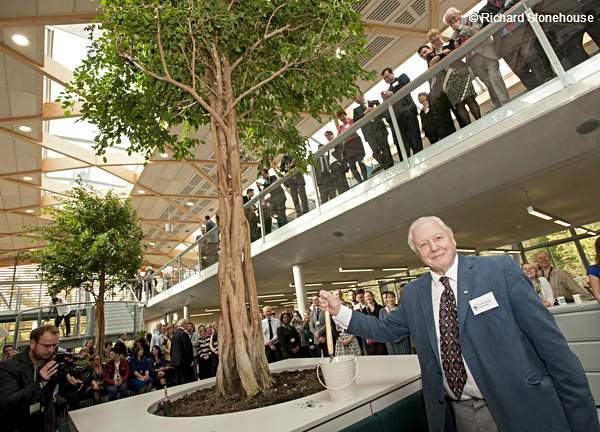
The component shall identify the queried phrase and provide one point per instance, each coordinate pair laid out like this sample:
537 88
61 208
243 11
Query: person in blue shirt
594 273
139 367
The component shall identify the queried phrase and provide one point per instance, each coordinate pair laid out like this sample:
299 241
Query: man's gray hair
421 220
450 12
182 322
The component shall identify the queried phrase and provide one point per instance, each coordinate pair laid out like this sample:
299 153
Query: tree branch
260 41
161 51
271 18
177 84
255 87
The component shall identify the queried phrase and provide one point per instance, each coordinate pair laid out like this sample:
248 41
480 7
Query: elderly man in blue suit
492 358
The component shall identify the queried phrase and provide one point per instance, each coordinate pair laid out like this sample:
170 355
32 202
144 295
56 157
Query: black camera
373 103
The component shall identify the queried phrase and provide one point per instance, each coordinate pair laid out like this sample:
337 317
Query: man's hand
328 301
48 370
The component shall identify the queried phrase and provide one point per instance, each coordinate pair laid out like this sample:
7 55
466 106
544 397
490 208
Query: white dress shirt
471 390
265 328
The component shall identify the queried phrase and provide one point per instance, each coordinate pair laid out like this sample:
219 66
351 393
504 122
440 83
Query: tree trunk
243 367
99 324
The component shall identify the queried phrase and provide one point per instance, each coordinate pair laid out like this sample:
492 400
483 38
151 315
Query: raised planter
382 382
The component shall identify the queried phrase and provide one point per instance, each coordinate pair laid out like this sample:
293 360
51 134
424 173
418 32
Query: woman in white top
541 284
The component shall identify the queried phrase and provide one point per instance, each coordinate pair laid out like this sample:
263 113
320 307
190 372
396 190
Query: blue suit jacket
521 362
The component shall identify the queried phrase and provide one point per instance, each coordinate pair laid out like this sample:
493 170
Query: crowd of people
294 335
449 104
173 354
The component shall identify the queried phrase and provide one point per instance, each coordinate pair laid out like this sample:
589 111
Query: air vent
359 6
375 47
382 12
187 190
195 180
405 18
419 7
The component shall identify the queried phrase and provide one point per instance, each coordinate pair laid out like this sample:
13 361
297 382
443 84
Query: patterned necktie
452 361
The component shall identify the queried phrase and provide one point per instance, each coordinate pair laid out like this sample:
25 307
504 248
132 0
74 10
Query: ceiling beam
149 195
44 20
47 185
20 173
164 221
434 14
51 68
395 31
203 174
50 111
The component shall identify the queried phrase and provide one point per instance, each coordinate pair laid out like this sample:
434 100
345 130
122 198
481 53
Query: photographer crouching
27 383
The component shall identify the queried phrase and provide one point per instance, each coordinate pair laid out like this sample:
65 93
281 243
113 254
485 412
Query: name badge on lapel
483 303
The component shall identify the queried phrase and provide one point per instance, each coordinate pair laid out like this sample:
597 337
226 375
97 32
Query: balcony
541 147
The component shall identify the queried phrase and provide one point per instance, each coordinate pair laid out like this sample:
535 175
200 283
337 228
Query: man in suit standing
277 197
375 132
338 169
316 324
323 175
296 185
491 355
182 353
269 328
406 114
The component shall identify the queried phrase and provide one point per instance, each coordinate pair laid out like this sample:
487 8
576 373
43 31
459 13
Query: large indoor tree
160 70
91 242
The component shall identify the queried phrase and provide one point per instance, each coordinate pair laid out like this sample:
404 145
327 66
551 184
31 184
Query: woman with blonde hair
540 284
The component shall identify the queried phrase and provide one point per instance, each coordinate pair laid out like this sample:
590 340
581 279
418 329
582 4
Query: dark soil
287 386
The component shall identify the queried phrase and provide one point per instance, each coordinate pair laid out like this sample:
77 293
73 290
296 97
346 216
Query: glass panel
563 256
275 206
209 247
189 263
589 248
479 89
572 27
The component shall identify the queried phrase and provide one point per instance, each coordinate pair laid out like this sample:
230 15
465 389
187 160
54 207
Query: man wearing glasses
25 393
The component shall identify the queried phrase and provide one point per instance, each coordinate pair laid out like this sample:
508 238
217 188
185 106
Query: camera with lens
66 365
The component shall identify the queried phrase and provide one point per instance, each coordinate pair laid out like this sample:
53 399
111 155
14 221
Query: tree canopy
90 237
155 65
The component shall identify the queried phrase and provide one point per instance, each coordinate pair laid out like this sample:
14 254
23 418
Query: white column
298 273
186 312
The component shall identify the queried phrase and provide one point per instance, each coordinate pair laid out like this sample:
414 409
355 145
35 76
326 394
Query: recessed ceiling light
25 128
189 204
20 39
562 222
537 213
29 211
164 155
141 191
587 127
152 244
27 178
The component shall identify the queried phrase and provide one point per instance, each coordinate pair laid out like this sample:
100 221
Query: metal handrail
24 311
